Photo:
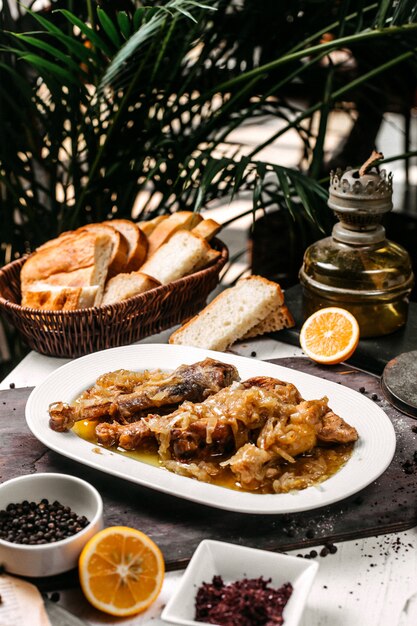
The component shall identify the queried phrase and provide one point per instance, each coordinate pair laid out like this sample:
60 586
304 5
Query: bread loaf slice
45 297
119 246
148 226
177 257
207 229
86 252
231 315
181 220
209 258
124 286
277 320
137 242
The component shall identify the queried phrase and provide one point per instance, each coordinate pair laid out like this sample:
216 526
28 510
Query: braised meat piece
262 411
192 443
334 429
259 435
129 436
123 396
250 465
189 382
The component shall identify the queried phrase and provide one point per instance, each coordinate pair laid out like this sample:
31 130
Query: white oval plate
372 453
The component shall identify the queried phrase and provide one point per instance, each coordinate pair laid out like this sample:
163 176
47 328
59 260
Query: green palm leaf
109 28
147 100
90 34
154 22
124 24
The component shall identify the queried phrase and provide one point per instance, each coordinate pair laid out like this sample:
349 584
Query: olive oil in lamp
357 268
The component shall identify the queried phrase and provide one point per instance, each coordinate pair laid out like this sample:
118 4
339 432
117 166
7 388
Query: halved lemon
121 571
330 335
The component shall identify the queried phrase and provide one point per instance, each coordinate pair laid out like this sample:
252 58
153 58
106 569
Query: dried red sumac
246 602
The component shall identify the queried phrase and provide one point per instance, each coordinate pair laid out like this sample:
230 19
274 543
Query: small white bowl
51 558
233 562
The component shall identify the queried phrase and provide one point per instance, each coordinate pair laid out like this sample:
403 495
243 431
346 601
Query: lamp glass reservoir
358 268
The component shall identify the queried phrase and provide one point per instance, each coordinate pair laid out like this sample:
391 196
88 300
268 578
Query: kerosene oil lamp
357 268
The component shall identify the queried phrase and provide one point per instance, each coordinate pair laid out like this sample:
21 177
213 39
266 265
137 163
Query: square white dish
372 453
233 562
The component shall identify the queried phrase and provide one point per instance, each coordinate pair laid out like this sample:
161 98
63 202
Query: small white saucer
233 562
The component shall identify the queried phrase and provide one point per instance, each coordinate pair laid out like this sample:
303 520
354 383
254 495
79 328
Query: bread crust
136 240
279 319
156 266
207 229
127 285
95 254
278 302
50 298
181 220
82 277
120 246
148 226
74 251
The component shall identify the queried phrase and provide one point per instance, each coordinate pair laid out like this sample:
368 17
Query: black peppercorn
32 523
331 548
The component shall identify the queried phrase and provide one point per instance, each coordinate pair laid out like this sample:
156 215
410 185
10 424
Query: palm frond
153 19
116 102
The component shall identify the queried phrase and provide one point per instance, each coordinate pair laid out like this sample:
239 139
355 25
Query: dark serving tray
371 354
387 505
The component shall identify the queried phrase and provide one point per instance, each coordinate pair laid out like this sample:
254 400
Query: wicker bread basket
75 333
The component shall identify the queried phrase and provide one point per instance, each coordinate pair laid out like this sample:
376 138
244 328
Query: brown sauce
329 459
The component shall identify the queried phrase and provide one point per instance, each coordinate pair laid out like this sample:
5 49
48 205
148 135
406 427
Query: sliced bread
86 250
148 226
208 259
207 229
119 245
176 258
231 315
45 297
136 240
181 220
124 286
277 320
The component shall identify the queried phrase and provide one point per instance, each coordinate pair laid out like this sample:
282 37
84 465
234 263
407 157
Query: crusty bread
231 315
87 253
110 256
124 286
136 240
119 246
177 257
209 257
207 229
148 226
84 277
181 220
277 320
47 297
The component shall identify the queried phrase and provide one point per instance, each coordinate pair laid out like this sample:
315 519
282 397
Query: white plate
371 456
233 562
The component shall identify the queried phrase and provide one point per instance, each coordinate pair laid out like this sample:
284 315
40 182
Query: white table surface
368 582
